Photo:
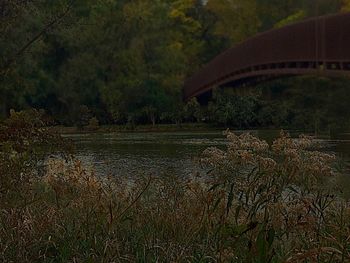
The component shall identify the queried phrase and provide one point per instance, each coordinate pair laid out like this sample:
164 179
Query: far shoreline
184 127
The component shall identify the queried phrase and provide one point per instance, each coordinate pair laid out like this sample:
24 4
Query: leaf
229 199
252 172
293 189
238 210
217 203
271 236
214 187
261 244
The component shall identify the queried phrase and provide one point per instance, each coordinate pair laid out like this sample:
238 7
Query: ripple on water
133 154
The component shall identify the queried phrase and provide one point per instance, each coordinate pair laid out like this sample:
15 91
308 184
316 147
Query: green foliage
128 60
346 6
24 143
291 19
26 131
93 124
275 11
235 20
309 103
193 111
230 109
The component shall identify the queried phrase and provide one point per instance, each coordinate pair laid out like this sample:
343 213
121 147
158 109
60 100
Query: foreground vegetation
257 203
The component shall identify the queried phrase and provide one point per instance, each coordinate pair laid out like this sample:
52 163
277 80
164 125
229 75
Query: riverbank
138 128
185 127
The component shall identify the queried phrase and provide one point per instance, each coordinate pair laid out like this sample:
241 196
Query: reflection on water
129 154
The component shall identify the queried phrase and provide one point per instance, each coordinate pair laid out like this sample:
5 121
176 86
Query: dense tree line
308 103
126 61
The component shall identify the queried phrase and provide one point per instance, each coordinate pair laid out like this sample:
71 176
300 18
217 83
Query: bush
279 201
24 143
93 124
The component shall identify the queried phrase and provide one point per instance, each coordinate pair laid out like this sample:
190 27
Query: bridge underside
318 46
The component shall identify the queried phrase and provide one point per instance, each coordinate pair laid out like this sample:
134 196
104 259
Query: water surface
162 154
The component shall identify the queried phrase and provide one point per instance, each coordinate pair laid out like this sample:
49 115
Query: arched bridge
316 46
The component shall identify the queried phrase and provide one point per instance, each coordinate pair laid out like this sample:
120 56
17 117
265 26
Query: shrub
280 203
24 143
93 124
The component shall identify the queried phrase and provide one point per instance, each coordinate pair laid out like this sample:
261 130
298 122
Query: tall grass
258 203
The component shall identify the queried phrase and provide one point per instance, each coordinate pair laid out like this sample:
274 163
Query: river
166 153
